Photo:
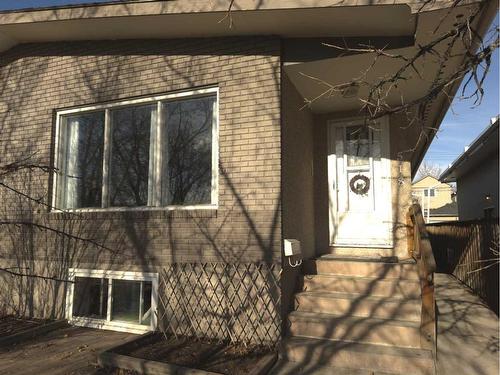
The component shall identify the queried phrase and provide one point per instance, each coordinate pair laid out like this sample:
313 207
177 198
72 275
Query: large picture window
124 301
149 152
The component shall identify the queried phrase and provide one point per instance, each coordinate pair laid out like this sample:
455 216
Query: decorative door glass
361 147
357 139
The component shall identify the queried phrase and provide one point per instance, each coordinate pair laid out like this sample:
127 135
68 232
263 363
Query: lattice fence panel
228 302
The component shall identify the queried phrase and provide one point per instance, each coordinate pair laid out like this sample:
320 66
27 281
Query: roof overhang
314 78
484 146
181 18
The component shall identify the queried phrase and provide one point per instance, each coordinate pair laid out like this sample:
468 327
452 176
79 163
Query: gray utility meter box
291 247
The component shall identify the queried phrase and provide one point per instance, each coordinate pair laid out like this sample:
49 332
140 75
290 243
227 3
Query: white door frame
381 186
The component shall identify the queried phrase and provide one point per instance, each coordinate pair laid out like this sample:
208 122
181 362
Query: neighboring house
432 195
448 212
476 173
182 149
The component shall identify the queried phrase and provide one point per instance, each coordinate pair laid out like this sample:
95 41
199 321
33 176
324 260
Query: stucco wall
321 202
403 139
473 187
297 169
37 79
297 183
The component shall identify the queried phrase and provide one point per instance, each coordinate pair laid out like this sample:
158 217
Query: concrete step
358 251
369 258
361 285
358 357
362 268
358 305
356 329
284 367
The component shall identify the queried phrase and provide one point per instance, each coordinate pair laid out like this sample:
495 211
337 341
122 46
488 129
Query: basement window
90 298
124 301
154 152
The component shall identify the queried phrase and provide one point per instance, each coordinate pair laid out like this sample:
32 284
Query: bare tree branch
35 276
228 14
375 105
58 232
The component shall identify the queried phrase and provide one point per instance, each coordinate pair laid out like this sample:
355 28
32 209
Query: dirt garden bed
10 325
155 354
14 329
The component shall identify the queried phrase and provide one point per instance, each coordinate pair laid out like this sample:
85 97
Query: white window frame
110 276
428 191
155 142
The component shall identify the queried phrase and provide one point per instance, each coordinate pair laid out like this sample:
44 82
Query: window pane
357 146
187 175
131 128
147 289
82 164
90 297
126 300
376 144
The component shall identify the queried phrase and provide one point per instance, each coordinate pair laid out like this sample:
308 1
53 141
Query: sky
464 121
461 125
19 4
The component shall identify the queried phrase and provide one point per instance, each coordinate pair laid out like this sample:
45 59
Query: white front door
359 177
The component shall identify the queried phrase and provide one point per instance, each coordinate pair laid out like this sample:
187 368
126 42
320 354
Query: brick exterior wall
37 79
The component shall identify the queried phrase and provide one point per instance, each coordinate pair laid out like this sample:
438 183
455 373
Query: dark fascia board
490 134
300 50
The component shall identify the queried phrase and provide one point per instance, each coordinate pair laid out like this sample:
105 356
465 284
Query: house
181 156
437 199
475 172
448 212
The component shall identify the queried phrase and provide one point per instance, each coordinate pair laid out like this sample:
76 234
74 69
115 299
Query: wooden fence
420 249
469 251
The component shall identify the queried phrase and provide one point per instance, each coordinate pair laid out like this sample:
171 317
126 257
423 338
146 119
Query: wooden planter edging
143 366
32 332
265 364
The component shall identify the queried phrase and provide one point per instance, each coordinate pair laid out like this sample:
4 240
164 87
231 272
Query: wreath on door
359 184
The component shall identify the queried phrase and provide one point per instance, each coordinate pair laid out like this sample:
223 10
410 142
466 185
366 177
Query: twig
58 232
47 278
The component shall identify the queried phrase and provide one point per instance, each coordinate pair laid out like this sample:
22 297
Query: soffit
312 79
351 21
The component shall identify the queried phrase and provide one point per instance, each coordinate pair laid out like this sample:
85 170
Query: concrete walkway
468 332
66 351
